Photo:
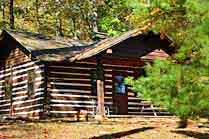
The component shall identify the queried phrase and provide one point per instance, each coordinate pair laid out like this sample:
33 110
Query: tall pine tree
180 83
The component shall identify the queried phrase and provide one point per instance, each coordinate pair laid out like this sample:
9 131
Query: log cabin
61 77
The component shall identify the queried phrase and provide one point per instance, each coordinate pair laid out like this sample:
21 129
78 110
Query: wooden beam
100 88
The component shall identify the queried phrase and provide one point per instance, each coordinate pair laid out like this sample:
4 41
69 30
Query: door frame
114 94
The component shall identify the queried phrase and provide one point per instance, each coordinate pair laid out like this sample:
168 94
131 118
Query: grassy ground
134 128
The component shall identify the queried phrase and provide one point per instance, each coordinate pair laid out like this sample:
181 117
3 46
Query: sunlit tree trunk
3 11
37 15
11 14
60 26
94 19
58 18
74 27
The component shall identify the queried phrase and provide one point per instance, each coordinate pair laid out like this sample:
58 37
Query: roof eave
107 43
21 46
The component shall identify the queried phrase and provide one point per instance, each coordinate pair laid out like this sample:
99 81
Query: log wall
127 67
70 88
16 65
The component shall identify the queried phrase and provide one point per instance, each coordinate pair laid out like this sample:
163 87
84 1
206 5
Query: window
8 87
31 83
94 83
119 84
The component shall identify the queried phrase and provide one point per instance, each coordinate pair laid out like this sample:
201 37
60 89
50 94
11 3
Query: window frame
8 86
114 87
31 83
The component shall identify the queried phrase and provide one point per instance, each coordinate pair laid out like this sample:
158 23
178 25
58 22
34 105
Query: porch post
100 89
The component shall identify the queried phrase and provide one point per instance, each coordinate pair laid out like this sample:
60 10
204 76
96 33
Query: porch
119 60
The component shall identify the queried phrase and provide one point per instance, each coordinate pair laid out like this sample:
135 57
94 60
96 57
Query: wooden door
120 95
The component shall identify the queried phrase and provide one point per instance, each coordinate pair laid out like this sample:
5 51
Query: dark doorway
120 95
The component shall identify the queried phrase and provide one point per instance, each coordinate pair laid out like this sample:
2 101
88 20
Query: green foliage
181 89
70 18
114 17
180 83
112 25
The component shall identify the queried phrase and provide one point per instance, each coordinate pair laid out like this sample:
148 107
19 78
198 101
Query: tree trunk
37 15
74 27
3 12
11 14
94 20
183 122
60 26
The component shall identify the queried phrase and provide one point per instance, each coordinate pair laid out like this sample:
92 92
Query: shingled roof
49 48
58 49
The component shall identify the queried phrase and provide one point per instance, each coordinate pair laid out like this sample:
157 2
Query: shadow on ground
25 120
21 127
121 134
197 135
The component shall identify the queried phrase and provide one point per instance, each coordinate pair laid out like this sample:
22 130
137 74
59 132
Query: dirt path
139 128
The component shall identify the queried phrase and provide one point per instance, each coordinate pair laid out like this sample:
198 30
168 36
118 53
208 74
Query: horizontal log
75 64
108 93
72 95
23 65
120 67
25 97
22 68
28 113
7 112
64 112
25 70
26 94
74 80
25 87
131 94
134 98
26 104
70 109
71 70
4 101
5 107
58 101
24 82
15 61
126 72
25 91
37 72
76 91
73 76
135 103
63 106
22 87
60 114
70 84
4 110
71 67
29 101
28 108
